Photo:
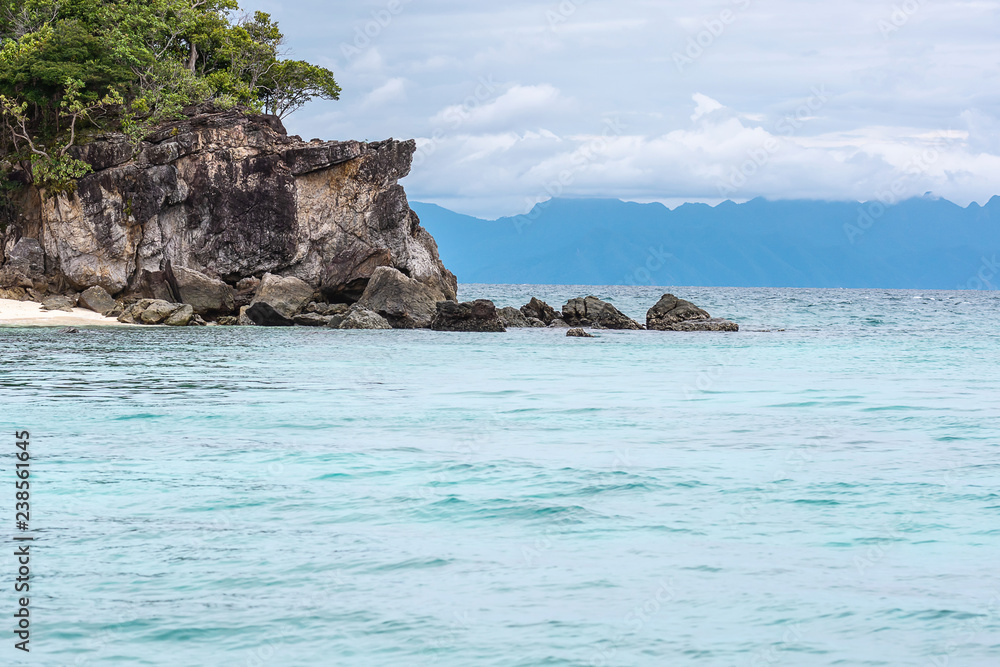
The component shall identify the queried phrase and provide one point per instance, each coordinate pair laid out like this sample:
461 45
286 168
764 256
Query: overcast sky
513 102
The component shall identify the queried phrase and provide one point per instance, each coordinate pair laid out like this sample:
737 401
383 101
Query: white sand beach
30 314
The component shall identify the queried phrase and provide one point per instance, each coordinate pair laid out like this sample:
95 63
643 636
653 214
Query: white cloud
890 96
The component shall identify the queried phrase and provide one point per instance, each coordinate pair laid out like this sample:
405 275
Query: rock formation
214 199
539 310
479 315
592 311
673 314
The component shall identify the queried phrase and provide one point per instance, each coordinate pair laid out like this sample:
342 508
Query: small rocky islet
221 218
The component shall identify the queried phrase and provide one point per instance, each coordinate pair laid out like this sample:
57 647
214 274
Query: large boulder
590 311
98 300
278 300
539 310
206 295
181 317
479 315
362 318
673 314
404 302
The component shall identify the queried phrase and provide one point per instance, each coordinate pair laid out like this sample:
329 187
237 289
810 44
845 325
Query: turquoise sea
822 488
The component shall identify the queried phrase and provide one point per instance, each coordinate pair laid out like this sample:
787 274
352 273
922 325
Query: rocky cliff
229 195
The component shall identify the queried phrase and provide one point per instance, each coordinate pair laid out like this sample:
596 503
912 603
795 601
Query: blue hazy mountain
922 243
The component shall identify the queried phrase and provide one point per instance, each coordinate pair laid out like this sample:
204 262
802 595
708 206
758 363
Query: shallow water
822 495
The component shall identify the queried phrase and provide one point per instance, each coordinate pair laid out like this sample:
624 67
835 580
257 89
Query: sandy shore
30 314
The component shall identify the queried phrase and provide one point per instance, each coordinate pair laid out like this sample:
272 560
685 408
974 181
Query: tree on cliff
72 67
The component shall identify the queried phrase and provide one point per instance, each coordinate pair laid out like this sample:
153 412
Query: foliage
69 66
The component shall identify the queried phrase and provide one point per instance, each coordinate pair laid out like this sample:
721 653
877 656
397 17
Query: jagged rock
230 194
558 323
278 300
69 330
12 278
14 294
578 333
197 321
479 315
311 320
28 257
205 294
181 317
405 303
226 320
362 318
539 310
335 321
673 314
591 310
98 300
244 320
155 285
60 302
512 318
157 311
245 291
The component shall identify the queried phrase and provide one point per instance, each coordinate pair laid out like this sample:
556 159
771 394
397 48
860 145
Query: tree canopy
69 66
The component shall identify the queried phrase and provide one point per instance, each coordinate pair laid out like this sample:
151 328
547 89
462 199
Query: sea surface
822 488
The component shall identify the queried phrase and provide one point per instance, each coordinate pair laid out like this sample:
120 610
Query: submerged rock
673 314
592 311
479 315
578 333
98 300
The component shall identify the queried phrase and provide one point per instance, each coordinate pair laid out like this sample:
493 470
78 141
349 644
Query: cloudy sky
662 100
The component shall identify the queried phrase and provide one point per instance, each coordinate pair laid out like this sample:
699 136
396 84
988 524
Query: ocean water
822 488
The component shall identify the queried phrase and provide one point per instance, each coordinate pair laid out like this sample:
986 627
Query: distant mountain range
923 243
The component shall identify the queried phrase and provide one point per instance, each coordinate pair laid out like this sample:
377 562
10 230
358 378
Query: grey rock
244 320
198 321
28 257
673 314
311 320
512 318
479 315
590 310
11 277
362 318
205 294
404 302
558 323
59 302
157 311
98 300
335 321
69 330
538 309
230 194
278 300
578 333
181 317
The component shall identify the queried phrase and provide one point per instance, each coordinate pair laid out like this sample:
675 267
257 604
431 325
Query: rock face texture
592 311
673 314
479 315
404 302
227 196
539 310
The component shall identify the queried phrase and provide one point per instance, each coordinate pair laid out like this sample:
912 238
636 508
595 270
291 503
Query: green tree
68 67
